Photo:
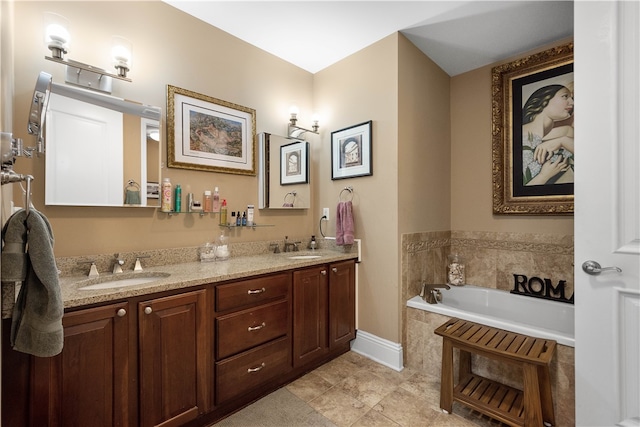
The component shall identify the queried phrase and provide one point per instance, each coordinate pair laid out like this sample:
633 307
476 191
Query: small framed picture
351 151
294 163
153 190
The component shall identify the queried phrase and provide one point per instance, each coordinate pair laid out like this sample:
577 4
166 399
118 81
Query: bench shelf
533 406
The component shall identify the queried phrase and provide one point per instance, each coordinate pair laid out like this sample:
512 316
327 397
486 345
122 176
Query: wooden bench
531 407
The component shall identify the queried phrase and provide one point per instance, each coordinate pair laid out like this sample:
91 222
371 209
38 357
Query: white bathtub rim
561 338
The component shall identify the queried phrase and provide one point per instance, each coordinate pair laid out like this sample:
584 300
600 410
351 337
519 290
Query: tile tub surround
491 260
424 353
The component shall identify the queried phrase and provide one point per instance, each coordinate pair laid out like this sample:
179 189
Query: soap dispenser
313 244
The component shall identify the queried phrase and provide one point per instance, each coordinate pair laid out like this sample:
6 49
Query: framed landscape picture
205 133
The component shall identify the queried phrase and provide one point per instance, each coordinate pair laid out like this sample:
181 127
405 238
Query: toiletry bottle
244 218
238 220
178 201
250 215
216 200
223 212
313 244
233 218
208 201
190 202
166 196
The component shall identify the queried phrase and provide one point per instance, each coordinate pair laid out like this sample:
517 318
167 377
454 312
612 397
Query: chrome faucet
431 293
117 265
289 245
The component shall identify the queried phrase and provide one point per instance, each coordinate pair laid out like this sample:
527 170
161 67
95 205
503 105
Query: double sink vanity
187 344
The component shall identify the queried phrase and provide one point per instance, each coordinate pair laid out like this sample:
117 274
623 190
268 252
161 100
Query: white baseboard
383 351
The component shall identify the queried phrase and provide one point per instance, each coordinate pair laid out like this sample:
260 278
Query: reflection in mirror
101 150
271 194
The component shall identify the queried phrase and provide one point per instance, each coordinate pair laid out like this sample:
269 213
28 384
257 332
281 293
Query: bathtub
501 309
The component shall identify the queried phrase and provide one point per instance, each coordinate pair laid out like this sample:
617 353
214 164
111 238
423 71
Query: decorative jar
455 270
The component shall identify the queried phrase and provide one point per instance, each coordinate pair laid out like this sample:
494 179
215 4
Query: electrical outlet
325 213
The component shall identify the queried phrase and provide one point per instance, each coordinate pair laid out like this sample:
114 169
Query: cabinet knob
122 312
323 272
334 269
148 310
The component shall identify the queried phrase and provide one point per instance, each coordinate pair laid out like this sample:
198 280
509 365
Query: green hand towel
37 316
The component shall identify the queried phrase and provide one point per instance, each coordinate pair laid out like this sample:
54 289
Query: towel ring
132 185
350 190
285 204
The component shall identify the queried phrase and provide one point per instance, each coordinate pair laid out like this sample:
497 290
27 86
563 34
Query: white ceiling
458 35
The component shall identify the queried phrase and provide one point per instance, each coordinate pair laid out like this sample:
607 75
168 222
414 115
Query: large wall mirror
283 173
101 150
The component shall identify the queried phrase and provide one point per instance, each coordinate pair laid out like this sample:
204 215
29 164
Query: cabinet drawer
245 329
253 291
246 371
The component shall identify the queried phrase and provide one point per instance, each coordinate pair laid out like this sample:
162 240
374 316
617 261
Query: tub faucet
117 265
431 293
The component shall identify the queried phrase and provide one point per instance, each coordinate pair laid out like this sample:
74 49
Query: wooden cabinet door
342 303
175 362
310 314
87 384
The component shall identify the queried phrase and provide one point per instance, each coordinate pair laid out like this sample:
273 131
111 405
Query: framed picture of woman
533 142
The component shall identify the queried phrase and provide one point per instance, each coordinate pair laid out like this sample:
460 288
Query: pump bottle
223 212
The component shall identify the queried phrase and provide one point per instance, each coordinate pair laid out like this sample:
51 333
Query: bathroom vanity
193 347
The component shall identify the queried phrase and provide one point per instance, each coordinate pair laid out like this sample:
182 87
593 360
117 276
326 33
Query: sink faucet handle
93 271
138 266
275 247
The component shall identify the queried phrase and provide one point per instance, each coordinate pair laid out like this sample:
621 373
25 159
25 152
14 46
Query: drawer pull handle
255 328
252 370
256 291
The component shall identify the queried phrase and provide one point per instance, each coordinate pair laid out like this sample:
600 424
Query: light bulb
56 34
121 52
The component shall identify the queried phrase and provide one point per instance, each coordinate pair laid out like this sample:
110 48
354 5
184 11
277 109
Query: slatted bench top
498 342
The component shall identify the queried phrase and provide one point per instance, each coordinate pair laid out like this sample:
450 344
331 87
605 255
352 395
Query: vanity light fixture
57 38
295 131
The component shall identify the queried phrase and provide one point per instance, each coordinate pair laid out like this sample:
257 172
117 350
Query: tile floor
353 391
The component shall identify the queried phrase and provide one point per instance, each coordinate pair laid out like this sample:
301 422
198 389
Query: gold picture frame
208 134
532 134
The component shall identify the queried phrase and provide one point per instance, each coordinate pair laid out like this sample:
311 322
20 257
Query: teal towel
132 197
37 316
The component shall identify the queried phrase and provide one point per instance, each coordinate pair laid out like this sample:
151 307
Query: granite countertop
190 274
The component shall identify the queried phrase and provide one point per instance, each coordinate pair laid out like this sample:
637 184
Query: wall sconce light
57 38
295 131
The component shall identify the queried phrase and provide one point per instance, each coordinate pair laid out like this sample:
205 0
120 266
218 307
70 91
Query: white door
607 212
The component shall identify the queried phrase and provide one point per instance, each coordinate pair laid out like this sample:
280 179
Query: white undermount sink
305 256
121 281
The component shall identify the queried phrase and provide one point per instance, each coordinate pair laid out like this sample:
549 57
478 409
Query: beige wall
169 47
357 89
